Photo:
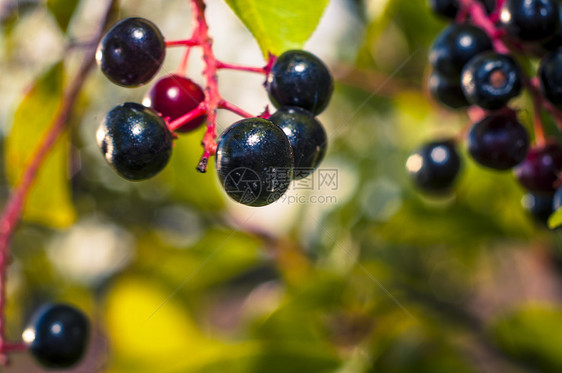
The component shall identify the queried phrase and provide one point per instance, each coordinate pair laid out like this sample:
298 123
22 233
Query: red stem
14 347
259 70
16 201
182 69
212 95
197 112
235 109
182 43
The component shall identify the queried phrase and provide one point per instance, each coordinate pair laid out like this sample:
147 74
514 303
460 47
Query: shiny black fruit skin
131 52
539 206
447 91
550 75
538 173
299 78
530 20
435 166
490 80
306 135
254 162
455 46
498 141
57 335
135 141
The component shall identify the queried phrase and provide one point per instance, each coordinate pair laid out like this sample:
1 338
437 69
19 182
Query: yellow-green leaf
279 25
49 201
555 219
62 10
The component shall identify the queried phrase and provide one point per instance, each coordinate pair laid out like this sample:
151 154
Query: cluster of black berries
256 158
468 68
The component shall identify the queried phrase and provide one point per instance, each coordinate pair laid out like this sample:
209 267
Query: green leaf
279 25
555 219
62 10
49 200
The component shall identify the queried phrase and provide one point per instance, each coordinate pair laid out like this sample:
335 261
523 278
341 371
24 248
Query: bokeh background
353 272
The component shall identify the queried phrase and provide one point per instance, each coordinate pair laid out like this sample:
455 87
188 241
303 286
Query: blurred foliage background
362 274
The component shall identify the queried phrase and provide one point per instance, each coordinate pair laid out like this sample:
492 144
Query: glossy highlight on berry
435 166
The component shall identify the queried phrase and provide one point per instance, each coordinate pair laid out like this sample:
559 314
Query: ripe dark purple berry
550 75
490 80
539 172
299 78
131 52
135 141
530 20
435 166
174 96
306 135
455 46
447 91
498 141
450 8
57 335
254 161
539 206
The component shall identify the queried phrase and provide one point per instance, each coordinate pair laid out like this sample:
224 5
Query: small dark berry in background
455 46
539 206
435 166
498 141
490 80
447 91
131 52
530 20
539 172
550 75
57 335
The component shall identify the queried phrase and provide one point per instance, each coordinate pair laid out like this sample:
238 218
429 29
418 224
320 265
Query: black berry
498 141
254 162
57 335
131 52
306 135
299 78
447 91
550 75
539 172
455 46
490 80
530 20
135 141
174 96
539 206
435 166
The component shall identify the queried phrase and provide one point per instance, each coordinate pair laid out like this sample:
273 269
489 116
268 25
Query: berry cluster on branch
475 66
256 157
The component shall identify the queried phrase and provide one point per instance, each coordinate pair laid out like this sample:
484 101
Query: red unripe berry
174 96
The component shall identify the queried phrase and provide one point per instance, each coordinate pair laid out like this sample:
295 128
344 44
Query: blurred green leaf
279 25
62 10
49 201
555 219
532 333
